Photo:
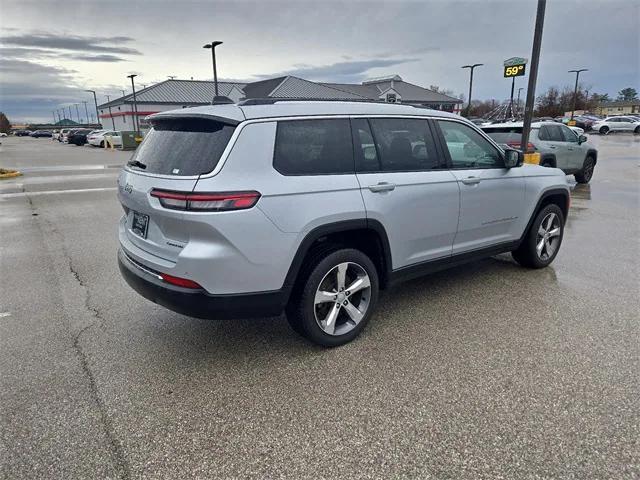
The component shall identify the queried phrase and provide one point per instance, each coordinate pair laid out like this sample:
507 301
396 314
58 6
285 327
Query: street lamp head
579 70
212 44
90 91
133 75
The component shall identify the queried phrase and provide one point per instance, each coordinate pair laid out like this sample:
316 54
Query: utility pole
533 73
513 85
77 113
575 89
113 122
135 105
471 68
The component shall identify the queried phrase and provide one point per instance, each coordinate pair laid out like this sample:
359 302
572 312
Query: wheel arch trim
337 227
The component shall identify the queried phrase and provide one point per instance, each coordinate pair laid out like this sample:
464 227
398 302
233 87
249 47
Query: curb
6 174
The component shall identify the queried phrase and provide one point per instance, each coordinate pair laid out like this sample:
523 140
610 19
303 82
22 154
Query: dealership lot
485 371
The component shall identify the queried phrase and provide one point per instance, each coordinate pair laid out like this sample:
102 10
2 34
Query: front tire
637 130
542 241
336 297
585 175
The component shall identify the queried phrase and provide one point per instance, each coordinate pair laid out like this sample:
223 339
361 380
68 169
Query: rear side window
394 145
183 147
313 147
505 135
552 133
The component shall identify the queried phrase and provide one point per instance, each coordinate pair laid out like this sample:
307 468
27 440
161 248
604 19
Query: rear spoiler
179 116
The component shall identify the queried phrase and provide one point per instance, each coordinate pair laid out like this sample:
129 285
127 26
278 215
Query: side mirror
582 139
513 158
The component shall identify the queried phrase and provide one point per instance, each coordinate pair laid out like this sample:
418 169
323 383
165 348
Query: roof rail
271 101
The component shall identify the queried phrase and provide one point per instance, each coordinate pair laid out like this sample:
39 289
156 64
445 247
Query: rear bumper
198 303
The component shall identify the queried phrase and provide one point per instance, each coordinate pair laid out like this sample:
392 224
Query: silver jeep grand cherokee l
313 207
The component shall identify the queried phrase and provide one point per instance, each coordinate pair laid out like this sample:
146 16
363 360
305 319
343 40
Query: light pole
213 46
518 101
95 102
113 122
575 89
533 73
471 67
86 111
135 105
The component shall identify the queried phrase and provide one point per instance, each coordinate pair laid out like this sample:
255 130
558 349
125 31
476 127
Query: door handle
552 146
382 187
471 180
571 149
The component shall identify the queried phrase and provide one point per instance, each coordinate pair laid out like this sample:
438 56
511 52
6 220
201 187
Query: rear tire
547 163
543 239
102 144
604 130
335 297
585 175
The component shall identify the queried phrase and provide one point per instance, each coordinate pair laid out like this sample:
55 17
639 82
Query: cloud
348 71
72 42
21 53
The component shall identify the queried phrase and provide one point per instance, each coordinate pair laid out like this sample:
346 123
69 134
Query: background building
620 107
171 94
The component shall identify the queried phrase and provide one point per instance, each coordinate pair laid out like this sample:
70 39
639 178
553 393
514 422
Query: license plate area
140 224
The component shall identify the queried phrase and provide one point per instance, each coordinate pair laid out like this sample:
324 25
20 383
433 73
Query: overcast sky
51 52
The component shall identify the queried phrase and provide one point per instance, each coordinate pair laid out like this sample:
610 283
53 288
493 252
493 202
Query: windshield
184 147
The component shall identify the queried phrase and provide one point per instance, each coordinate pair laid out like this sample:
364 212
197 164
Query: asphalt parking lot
485 371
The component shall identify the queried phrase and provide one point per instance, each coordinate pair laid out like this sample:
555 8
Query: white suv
313 207
617 124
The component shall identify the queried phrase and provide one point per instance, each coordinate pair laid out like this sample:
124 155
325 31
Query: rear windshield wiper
136 163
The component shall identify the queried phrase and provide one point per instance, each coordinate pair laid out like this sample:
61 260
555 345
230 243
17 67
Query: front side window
394 144
568 134
467 148
313 147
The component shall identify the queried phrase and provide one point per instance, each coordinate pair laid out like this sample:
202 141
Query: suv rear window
313 147
184 147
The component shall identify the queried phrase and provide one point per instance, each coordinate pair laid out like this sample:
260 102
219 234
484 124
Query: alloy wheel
342 298
548 237
587 171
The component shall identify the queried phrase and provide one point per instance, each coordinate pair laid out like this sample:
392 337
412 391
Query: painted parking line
4 314
55 192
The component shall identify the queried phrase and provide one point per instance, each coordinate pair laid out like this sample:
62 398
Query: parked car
64 133
617 124
577 130
3 134
41 133
319 205
97 138
22 133
558 146
78 137
114 137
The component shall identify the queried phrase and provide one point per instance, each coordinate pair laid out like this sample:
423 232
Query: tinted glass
184 147
469 149
554 133
313 147
505 135
364 148
402 144
568 134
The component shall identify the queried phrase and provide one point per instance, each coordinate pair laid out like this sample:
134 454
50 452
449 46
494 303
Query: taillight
206 202
180 282
515 144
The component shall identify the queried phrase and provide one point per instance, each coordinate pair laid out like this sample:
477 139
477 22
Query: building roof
620 103
199 92
188 92
303 108
407 91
